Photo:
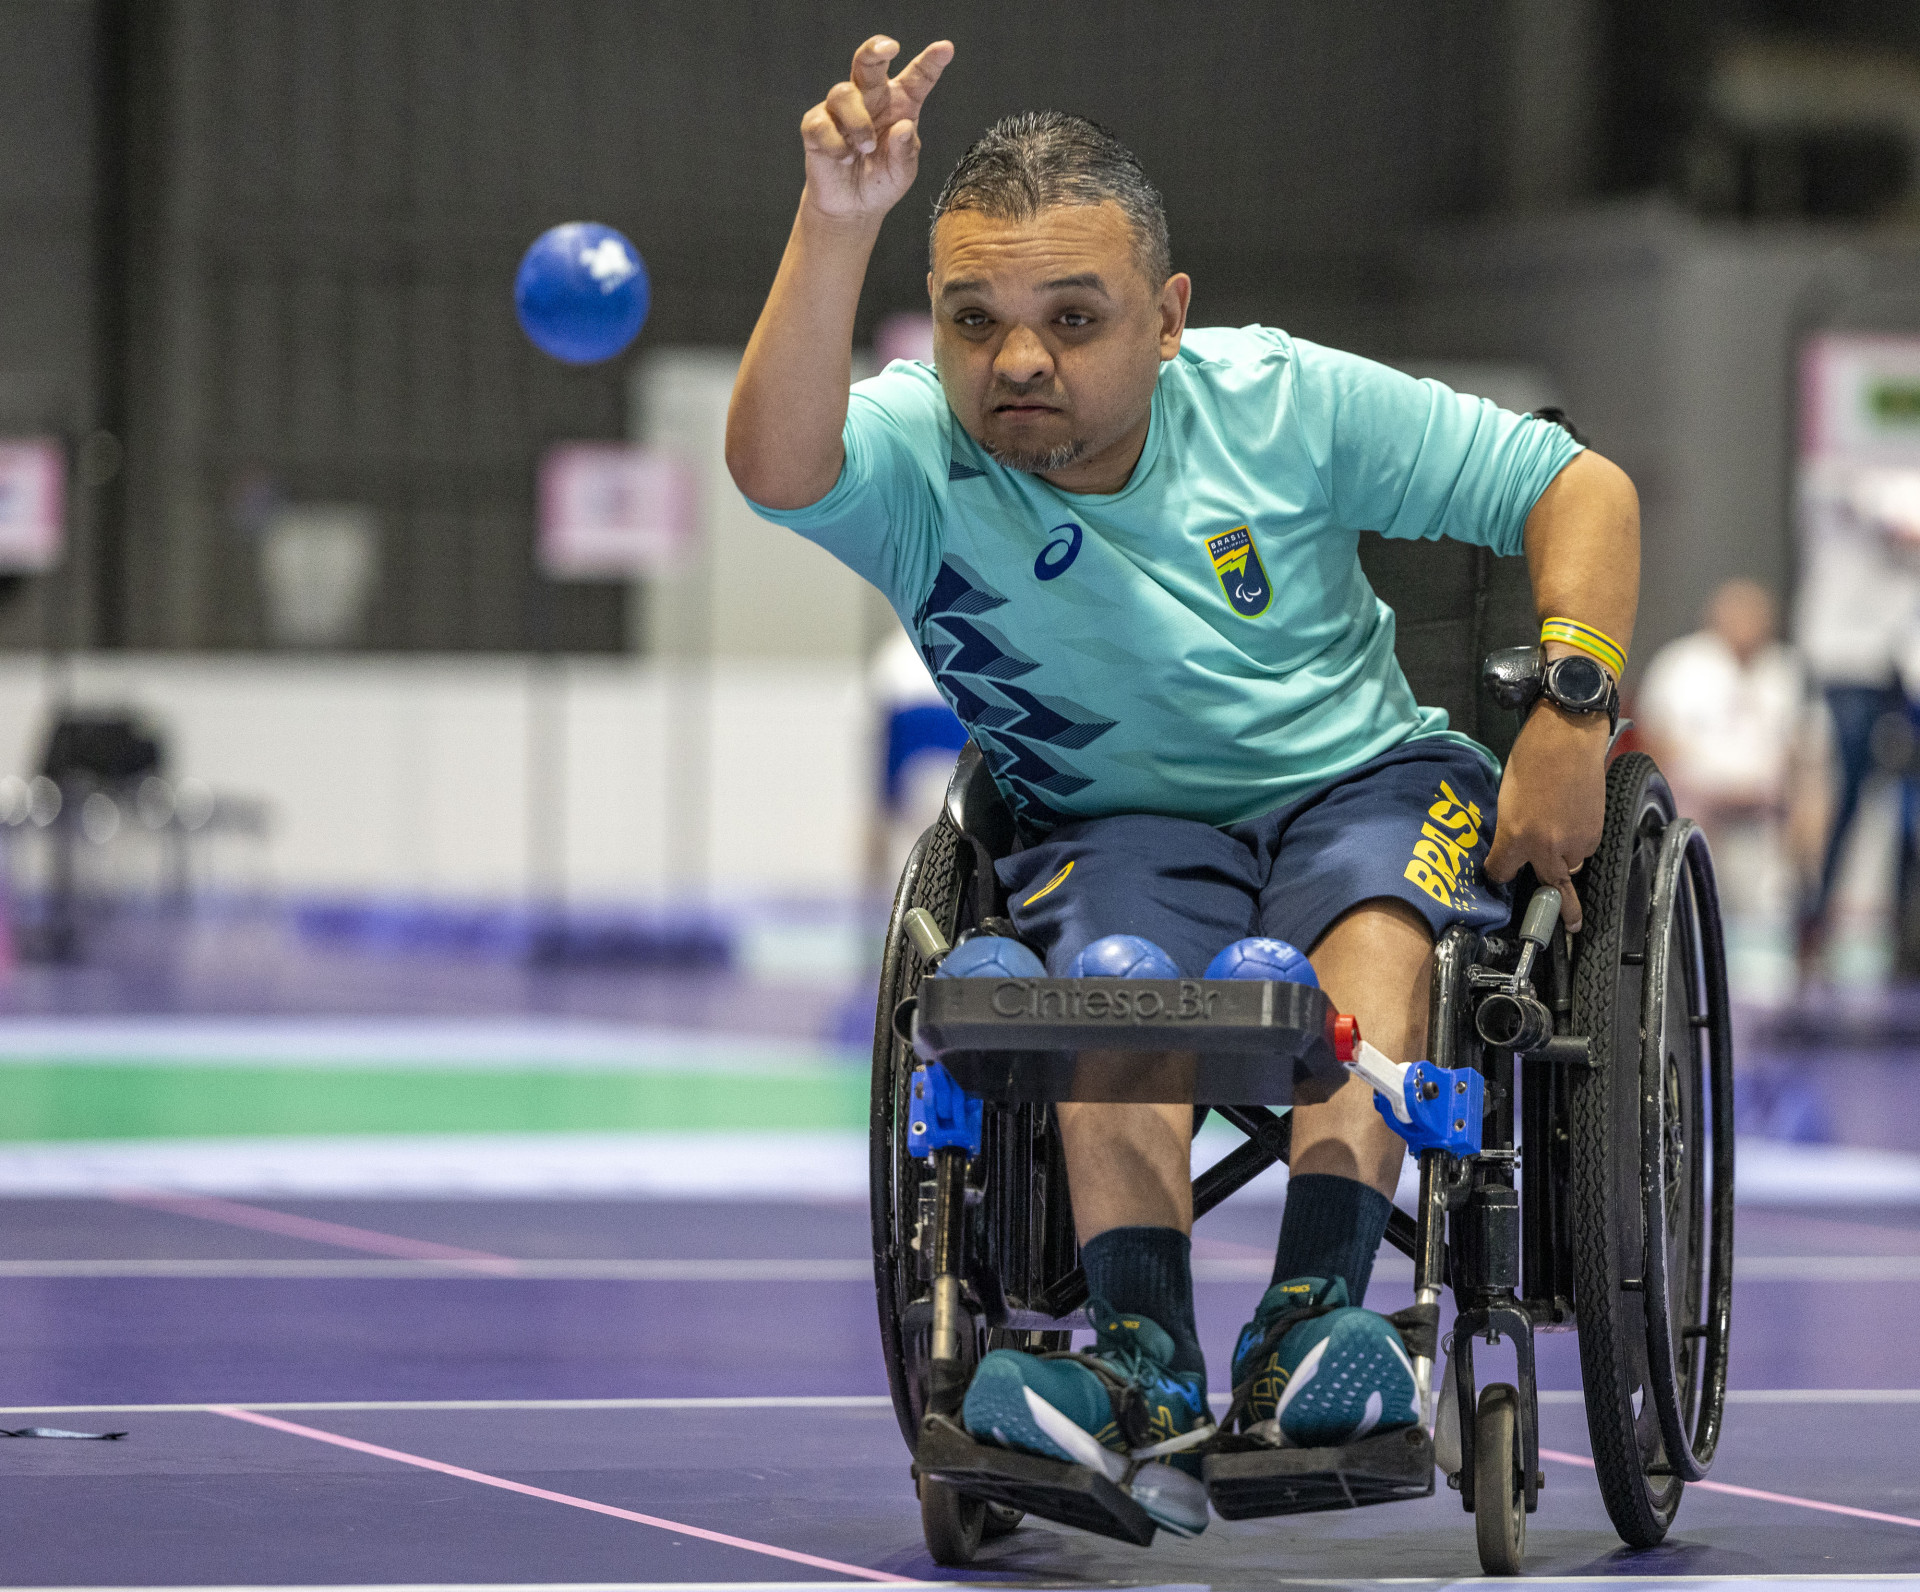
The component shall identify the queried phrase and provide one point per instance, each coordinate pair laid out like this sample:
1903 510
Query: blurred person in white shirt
1725 713
1857 612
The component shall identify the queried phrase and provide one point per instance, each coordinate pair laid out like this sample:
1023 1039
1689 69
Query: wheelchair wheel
1651 1157
952 1523
1020 1238
1499 1485
932 879
955 1525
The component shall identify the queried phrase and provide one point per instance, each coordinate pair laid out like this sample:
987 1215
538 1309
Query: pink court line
234 1413
1763 1497
364 1239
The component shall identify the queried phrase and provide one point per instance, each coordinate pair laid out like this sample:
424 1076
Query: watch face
1579 683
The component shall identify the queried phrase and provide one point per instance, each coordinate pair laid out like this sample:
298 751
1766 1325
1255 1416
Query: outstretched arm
1583 554
862 147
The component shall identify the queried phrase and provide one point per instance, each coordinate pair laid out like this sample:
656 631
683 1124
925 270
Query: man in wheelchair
1128 550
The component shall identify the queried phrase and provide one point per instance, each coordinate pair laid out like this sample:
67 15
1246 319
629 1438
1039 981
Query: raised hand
863 140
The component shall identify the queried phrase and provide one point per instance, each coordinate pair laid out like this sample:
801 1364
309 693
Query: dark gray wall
48 380
330 197
276 237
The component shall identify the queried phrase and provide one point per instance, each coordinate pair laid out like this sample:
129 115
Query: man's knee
1375 963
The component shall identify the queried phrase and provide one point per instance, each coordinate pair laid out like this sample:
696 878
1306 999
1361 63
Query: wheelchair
1592 1191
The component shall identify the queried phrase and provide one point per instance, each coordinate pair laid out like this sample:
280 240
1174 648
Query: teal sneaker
1322 1371
1100 1409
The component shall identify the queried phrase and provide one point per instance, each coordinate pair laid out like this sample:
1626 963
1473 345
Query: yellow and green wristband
1595 643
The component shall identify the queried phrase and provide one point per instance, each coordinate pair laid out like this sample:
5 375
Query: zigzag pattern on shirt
974 666
954 593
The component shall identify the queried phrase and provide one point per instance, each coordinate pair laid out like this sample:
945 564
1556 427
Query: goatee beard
1030 463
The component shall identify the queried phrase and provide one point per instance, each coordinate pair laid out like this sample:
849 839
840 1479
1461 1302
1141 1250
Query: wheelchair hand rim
1683 880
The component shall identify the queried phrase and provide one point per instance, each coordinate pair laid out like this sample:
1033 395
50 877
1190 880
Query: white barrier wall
734 759
487 779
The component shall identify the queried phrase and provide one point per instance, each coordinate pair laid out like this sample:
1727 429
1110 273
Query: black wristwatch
1518 677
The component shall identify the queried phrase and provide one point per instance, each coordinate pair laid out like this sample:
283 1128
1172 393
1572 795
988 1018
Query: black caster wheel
1003 1520
1499 1495
954 1524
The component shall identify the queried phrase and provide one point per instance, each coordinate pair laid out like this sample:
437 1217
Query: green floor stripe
139 1102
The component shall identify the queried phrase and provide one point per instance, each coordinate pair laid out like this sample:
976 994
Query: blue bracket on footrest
1446 1108
940 1114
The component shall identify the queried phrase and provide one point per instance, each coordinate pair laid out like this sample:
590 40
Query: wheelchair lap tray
1224 1041
1220 1042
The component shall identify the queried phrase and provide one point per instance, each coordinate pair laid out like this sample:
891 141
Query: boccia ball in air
991 956
581 292
1122 956
1274 960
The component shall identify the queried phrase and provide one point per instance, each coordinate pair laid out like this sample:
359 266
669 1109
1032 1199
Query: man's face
1048 338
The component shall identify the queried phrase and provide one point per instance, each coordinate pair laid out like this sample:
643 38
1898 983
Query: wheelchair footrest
1248 1481
1054 1490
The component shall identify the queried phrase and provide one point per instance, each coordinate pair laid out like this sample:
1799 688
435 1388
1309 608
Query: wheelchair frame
1602 1198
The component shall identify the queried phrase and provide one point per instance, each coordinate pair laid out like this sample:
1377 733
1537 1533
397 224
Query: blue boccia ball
991 956
1274 960
581 292
1122 956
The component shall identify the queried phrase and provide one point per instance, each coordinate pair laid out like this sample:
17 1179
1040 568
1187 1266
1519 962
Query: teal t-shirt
1201 643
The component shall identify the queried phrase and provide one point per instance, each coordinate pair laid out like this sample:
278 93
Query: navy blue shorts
1413 824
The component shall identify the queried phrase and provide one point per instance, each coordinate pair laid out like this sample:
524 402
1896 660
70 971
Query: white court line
1756 1269
1826 1268
584 1270
845 1401
1778 1395
1759 1395
1780 1578
771 1401
1849 1578
544 1044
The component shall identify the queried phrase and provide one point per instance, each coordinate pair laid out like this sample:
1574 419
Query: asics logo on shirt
1058 554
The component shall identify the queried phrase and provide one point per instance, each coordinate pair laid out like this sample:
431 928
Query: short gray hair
1028 162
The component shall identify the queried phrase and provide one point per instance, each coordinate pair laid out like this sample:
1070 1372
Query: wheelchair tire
1021 1240
932 879
1499 1490
1615 1184
952 1523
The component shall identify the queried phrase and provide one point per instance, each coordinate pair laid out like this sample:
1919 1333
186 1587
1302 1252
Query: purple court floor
558 1393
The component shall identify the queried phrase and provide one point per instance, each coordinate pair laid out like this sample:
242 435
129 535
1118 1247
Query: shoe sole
1348 1399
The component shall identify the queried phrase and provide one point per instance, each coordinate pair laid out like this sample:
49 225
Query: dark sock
1148 1271
1331 1227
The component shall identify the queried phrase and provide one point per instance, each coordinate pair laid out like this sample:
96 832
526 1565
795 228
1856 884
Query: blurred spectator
1724 709
1857 613
1725 713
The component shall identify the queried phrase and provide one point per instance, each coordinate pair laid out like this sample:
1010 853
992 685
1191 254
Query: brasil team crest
1242 576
